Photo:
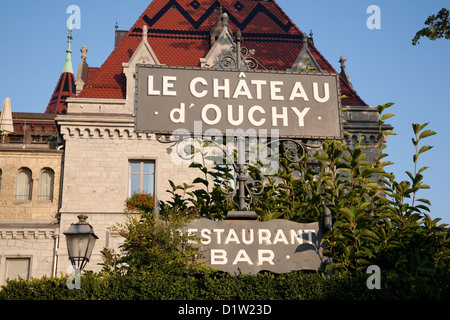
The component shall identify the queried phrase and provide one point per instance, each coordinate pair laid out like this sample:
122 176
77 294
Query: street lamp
80 239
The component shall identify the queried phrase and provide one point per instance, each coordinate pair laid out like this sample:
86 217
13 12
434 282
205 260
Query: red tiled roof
179 33
64 89
91 74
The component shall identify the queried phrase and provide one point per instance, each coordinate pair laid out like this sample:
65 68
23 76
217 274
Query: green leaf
419 127
423 207
410 175
422 169
346 252
364 205
373 185
426 133
428 202
416 128
369 234
424 149
347 213
389 132
195 165
382 107
386 163
387 116
200 180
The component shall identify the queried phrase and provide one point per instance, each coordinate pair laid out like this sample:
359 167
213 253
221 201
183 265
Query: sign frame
251 246
141 73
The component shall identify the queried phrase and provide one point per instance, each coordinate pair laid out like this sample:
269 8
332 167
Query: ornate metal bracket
239 190
238 57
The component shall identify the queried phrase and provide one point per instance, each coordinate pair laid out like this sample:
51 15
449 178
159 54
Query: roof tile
64 89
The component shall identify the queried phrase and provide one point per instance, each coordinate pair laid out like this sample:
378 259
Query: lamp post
80 239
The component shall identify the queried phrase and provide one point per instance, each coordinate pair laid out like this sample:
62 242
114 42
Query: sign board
211 101
250 246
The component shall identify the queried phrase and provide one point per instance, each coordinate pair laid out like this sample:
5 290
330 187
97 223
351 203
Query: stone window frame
29 197
48 193
5 260
141 173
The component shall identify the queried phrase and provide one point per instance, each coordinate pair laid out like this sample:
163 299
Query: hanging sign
250 246
201 101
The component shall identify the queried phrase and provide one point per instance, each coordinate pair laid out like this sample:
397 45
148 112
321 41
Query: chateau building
91 152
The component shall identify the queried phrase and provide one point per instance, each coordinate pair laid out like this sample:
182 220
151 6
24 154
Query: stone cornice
99 126
36 230
97 106
95 101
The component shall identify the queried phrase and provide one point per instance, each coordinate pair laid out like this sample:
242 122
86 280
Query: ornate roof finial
68 65
82 71
225 19
144 32
305 39
342 62
84 50
343 72
238 35
221 23
311 36
117 26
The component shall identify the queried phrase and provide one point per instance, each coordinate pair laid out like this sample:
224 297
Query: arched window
24 185
45 187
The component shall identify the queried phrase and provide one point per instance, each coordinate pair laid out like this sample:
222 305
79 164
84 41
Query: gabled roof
179 34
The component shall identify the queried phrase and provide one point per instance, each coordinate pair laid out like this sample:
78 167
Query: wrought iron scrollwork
241 190
238 57
292 148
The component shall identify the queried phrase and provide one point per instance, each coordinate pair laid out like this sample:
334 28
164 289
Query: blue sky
382 63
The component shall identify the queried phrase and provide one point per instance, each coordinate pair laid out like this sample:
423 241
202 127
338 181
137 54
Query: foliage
152 246
439 27
374 221
215 286
376 218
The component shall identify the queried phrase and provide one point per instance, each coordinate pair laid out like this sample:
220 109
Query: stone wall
11 161
34 241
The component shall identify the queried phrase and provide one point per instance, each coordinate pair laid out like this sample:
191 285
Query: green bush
151 245
216 286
